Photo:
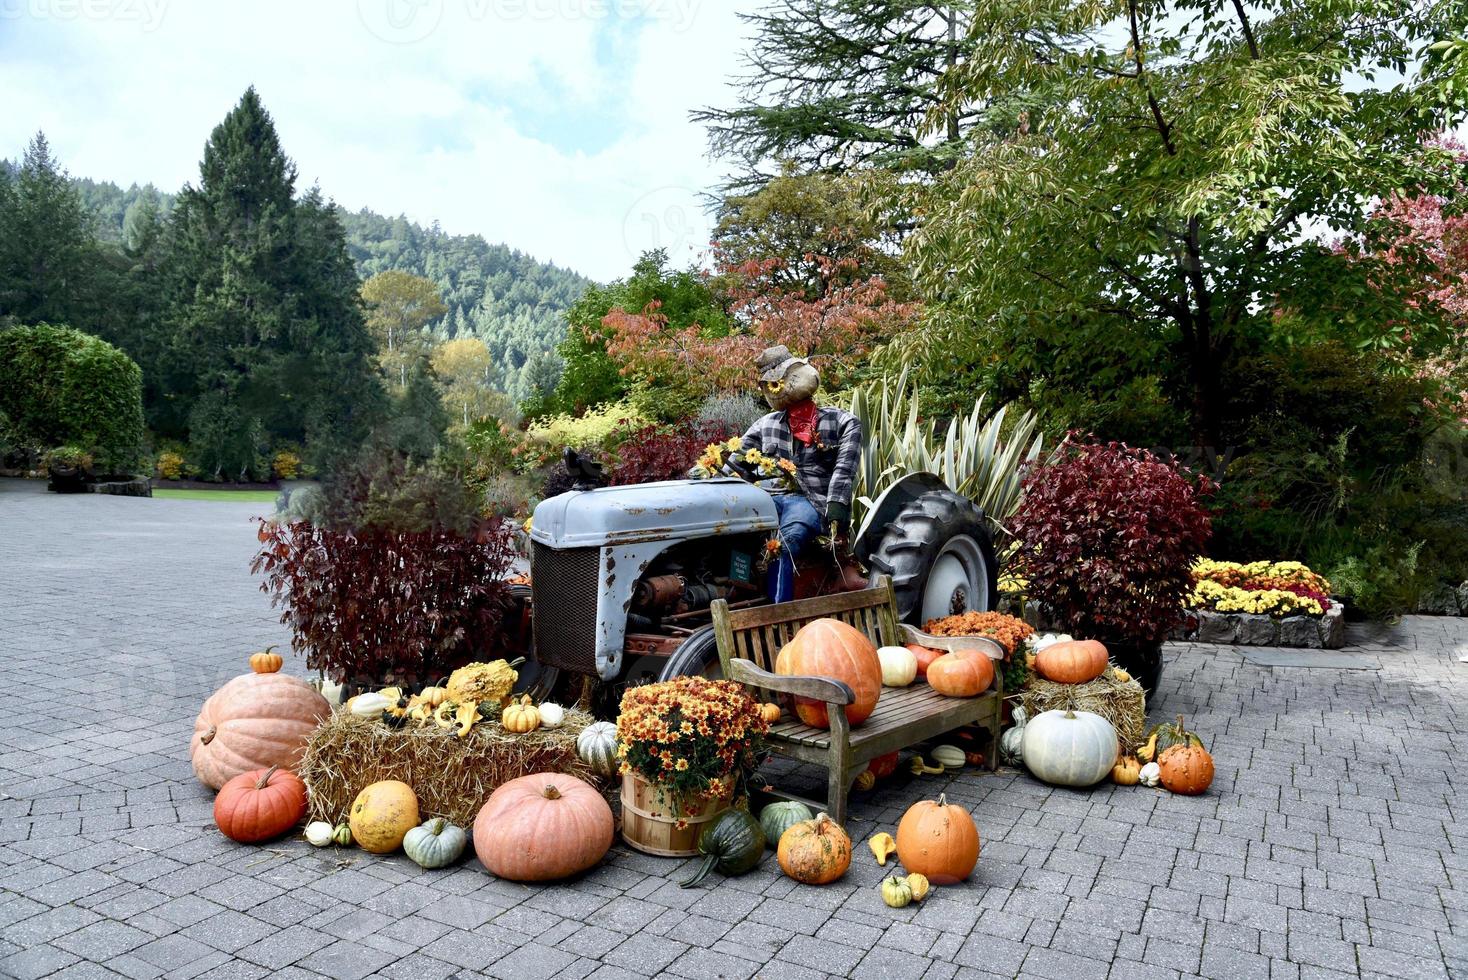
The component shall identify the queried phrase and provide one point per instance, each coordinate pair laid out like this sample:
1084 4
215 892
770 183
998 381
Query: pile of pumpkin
936 842
474 693
1172 757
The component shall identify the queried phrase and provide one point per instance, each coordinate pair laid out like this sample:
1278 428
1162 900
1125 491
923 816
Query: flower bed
1261 604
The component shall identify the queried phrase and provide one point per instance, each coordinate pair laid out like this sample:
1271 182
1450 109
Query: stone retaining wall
1249 629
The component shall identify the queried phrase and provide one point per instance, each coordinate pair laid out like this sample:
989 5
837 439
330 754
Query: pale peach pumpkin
542 827
830 648
254 722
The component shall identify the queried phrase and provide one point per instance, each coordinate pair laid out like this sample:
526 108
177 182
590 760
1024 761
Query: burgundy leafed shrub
1107 536
403 580
655 452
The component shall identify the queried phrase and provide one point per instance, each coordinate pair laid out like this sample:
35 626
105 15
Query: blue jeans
800 524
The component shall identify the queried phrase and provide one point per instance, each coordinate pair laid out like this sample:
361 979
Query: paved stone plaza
1330 845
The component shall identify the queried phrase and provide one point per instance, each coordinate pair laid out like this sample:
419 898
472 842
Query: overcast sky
557 126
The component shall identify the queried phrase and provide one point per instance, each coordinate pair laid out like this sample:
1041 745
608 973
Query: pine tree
48 256
263 307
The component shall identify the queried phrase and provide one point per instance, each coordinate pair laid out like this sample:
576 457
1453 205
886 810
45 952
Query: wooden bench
750 638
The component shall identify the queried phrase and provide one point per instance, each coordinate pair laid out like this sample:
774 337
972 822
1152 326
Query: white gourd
1070 748
370 704
597 747
899 666
552 715
1011 743
949 756
318 833
1150 775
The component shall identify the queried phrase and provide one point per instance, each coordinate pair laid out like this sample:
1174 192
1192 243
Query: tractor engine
615 560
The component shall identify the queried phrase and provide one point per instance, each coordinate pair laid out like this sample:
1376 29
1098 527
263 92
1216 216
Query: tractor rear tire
697 656
940 555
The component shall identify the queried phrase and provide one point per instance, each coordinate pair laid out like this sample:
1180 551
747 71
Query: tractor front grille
564 590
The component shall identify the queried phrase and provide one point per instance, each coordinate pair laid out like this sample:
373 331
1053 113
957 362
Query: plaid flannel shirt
826 469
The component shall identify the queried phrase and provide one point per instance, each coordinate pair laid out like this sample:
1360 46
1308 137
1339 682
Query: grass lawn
237 496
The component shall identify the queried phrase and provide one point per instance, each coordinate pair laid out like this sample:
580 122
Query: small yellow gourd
1127 771
521 717
919 886
770 712
1120 676
883 845
867 781
434 696
921 768
465 717
896 893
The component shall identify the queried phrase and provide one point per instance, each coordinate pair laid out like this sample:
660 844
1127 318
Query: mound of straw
1122 704
451 776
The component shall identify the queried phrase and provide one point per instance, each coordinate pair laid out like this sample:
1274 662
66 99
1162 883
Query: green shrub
59 386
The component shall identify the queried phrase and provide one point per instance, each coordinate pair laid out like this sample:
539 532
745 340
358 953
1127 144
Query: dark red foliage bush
656 452
402 579
1107 535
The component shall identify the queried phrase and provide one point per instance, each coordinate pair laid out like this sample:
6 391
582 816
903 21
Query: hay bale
1122 704
452 776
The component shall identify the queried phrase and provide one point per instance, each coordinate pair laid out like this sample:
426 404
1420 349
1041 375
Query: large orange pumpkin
259 805
1072 661
1186 769
542 827
962 673
925 657
830 648
815 852
254 722
938 840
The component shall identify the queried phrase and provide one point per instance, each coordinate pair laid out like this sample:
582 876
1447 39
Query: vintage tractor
622 577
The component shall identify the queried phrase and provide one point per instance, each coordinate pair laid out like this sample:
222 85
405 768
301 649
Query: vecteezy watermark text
410 21
148 14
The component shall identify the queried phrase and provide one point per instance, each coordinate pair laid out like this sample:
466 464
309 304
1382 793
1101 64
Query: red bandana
803 419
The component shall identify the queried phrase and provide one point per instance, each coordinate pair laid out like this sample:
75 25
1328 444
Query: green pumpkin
732 842
776 818
435 843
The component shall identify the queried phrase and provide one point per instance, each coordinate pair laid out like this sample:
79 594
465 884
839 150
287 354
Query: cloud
557 126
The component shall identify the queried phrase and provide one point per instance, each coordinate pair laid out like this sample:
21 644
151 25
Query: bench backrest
757 633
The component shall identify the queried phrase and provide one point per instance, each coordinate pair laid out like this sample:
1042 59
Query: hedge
59 386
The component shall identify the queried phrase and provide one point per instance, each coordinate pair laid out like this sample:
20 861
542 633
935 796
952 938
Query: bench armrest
826 689
993 648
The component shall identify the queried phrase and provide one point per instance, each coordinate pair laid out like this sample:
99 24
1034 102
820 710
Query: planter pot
650 817
67 479
1140 658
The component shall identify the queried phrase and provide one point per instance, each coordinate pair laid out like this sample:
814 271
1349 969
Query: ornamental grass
451 776
1124 704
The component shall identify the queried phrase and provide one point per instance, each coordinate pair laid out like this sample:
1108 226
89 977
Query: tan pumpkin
434 696
521 717
1127 771
267 661
770 712
1072 661
961 674
382 814
542 827
830 648
815 852
254 722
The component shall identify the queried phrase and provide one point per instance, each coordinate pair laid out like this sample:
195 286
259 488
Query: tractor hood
652 512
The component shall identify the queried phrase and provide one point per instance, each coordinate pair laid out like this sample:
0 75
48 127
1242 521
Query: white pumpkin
949 756
552 715
597 747
899 666
369 705
1150 775
318 833
1070 748
1011 743
1039 641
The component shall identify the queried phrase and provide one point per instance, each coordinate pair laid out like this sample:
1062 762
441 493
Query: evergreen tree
837 84
263 307
48 257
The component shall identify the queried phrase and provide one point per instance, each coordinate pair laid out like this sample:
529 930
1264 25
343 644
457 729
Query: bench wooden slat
903 716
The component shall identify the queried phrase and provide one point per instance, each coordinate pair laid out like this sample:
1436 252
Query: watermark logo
667 218
400 21
147 14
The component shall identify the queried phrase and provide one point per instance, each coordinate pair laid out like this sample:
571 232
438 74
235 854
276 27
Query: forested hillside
513 302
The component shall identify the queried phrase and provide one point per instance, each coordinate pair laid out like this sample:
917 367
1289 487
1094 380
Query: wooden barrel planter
650 820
